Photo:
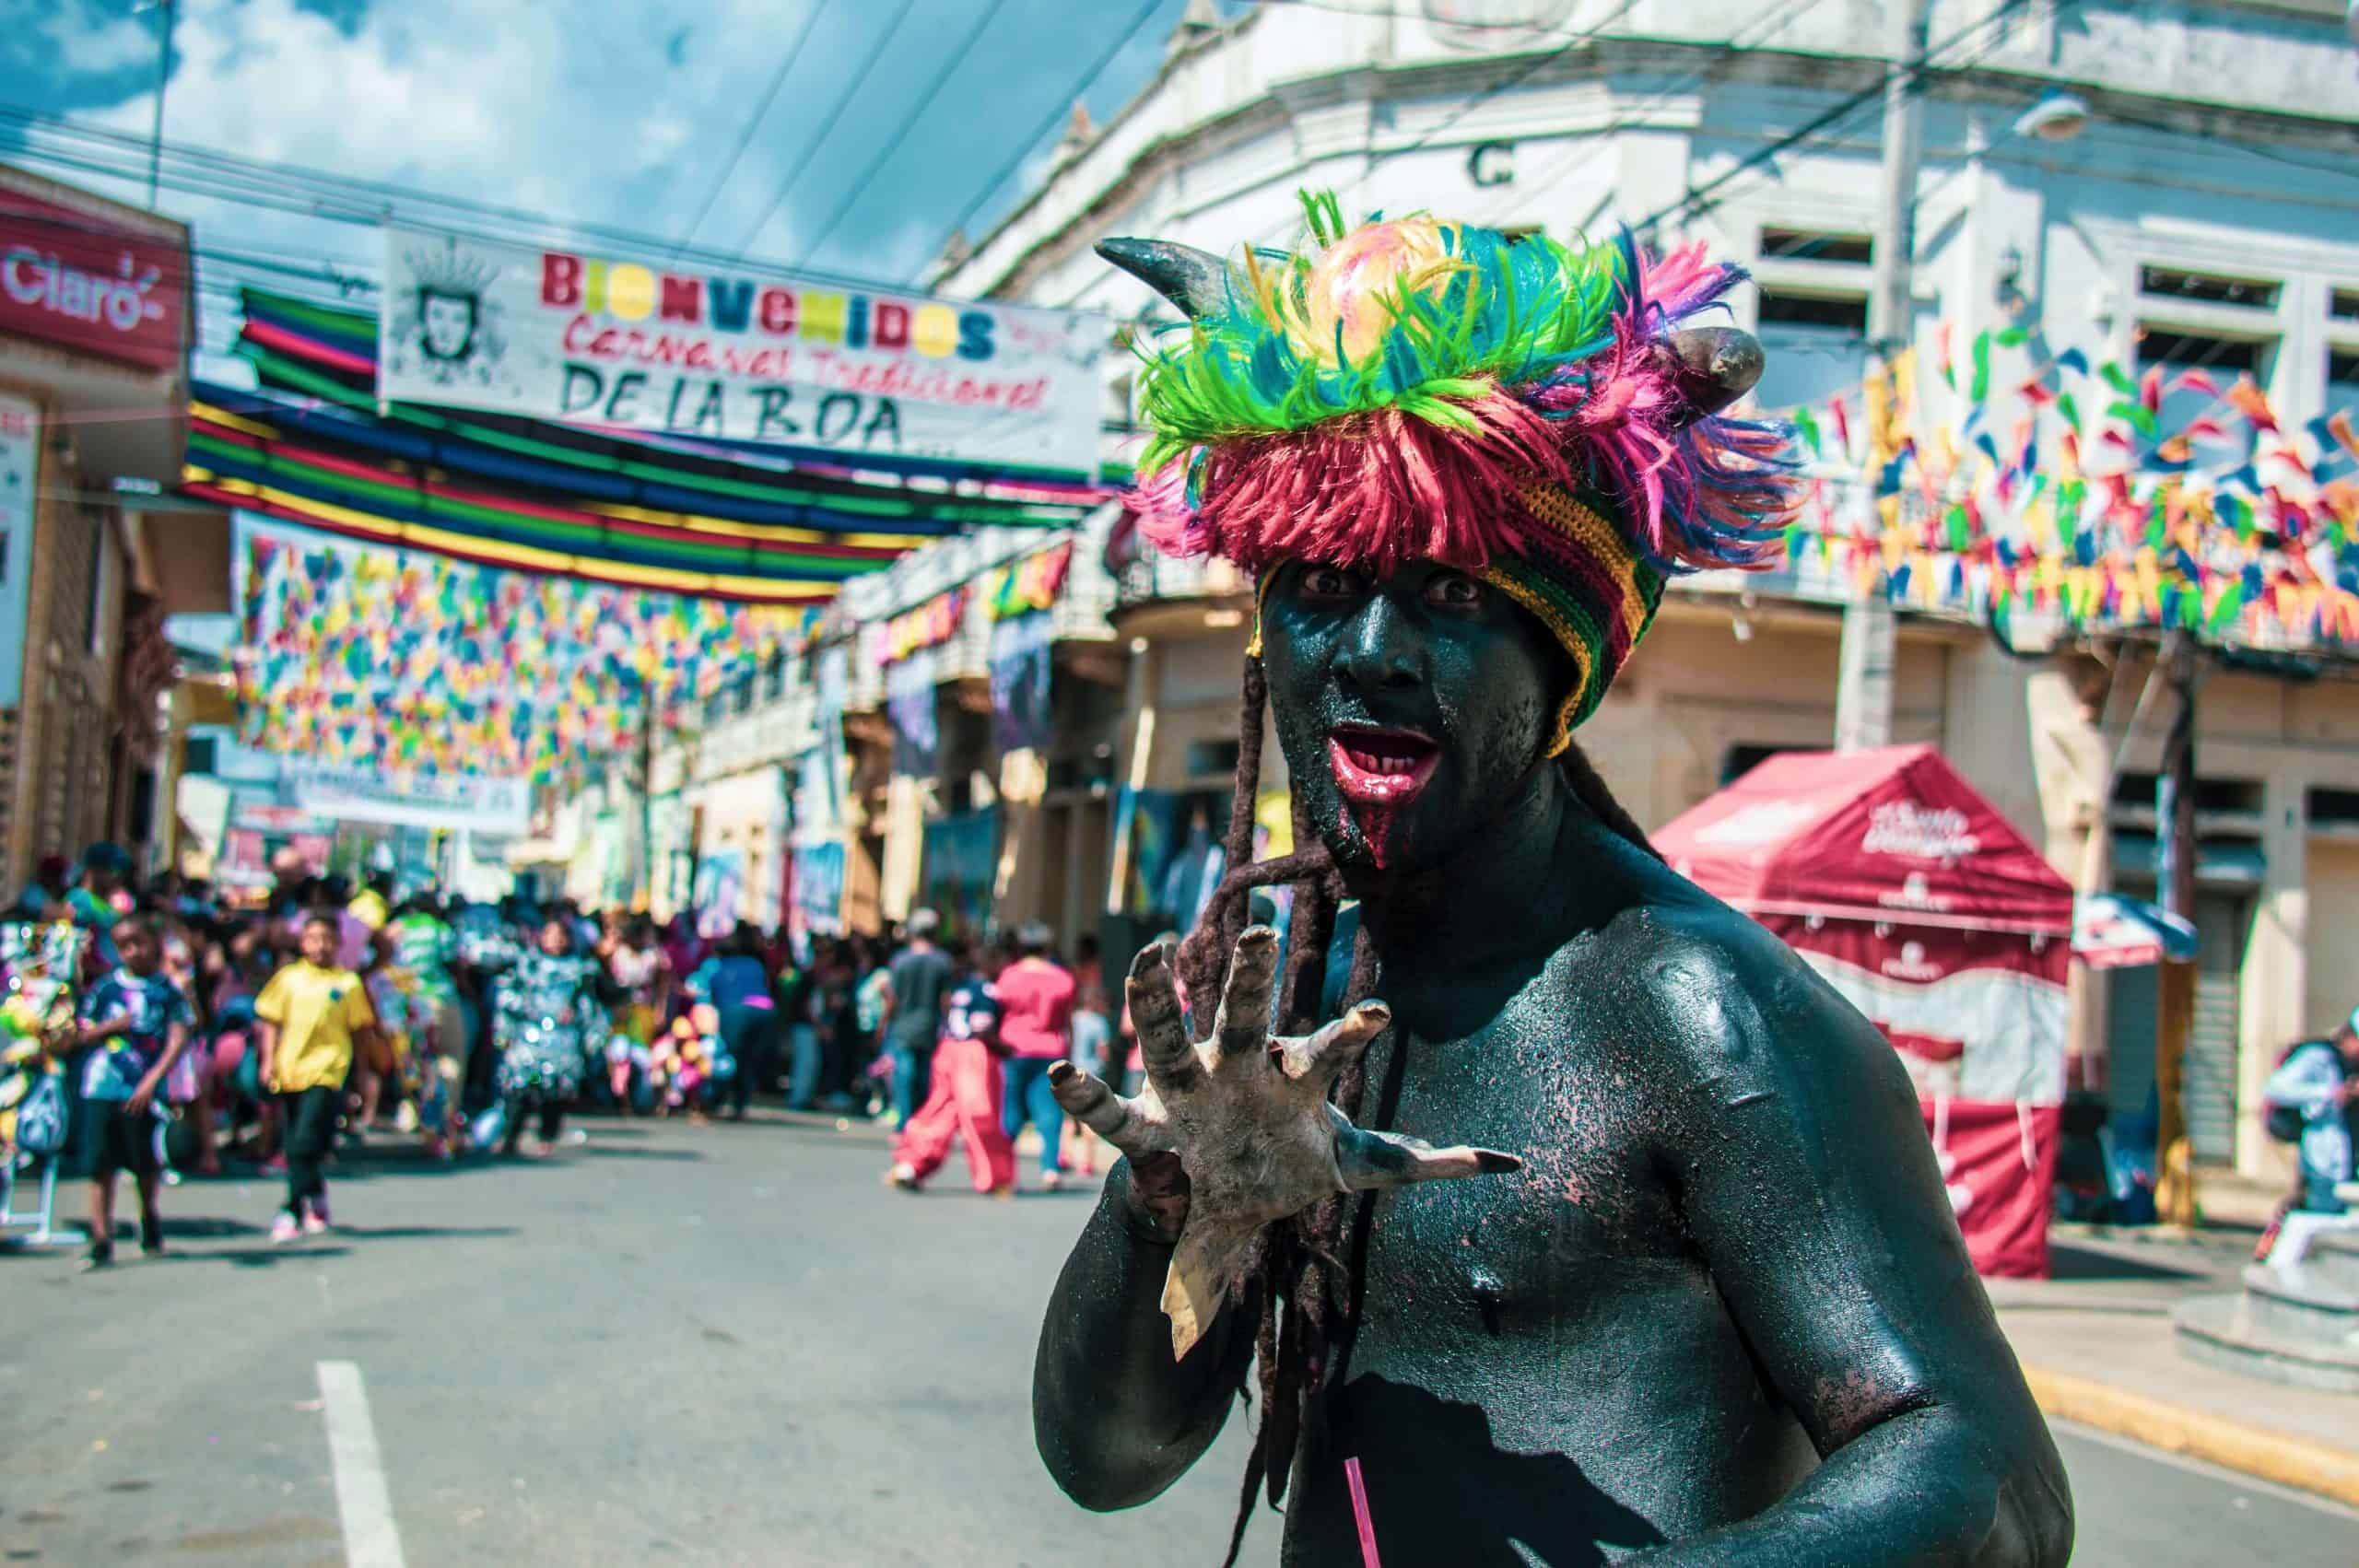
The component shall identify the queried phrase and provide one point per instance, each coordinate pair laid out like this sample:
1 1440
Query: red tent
1915 899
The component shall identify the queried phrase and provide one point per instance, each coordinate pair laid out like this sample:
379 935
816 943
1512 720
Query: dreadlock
1298 1291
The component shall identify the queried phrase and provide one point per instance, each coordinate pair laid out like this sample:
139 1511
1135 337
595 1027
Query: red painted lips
1379 772
1380 767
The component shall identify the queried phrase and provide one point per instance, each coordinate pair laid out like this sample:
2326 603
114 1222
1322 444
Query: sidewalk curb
2180 1429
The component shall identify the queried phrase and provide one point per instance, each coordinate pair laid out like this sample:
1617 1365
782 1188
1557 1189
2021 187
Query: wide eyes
1328 582
1453 588
1447 589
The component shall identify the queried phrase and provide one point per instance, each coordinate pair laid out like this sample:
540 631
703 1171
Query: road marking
2236 1479
369 1538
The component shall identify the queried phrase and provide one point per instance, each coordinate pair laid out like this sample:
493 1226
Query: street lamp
2058 116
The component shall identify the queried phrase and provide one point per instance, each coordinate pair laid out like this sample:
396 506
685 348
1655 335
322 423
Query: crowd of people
157 1030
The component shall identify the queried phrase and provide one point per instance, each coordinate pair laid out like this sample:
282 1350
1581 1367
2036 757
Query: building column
1019 887
2070 764
1137 749
904 845
2273 989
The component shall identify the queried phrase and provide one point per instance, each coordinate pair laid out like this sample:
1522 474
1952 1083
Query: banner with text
499 807
742 355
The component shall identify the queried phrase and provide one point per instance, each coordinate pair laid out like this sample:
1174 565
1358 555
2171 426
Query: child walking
139 1021
312 1017
964 1100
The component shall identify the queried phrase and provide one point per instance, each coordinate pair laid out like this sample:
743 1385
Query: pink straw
1360 1515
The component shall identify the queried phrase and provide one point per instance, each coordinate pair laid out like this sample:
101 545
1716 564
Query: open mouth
1376 767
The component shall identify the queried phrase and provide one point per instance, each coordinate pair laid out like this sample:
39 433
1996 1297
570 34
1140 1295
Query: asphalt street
711 1345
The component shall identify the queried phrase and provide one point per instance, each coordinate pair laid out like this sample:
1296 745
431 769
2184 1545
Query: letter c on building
1491 163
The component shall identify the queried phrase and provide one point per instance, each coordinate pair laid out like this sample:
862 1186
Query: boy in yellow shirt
311 1018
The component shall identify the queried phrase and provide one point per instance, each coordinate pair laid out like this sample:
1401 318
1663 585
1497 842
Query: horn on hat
1196 281
1716 367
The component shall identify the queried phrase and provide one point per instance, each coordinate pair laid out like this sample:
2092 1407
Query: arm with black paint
1139 1357
1800 1157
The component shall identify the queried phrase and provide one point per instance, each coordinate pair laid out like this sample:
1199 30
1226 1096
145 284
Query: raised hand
1247 1116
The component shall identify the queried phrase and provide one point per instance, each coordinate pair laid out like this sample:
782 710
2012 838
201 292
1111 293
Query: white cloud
579 111
117 44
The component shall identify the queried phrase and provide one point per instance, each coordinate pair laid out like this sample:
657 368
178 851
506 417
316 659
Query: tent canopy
1889 835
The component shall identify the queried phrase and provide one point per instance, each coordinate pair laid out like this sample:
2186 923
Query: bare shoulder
1721 1005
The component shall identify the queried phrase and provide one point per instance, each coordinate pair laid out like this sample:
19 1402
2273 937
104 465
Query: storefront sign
738 356
19 472
67 278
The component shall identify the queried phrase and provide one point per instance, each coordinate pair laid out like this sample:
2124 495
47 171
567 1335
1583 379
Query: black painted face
1411 706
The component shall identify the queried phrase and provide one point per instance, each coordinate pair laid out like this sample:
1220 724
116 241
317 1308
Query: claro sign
72 279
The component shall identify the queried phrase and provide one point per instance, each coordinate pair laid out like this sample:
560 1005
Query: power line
311 193
956 58
753 123
1057 111
1770 25
1514 79
1849 109
852 90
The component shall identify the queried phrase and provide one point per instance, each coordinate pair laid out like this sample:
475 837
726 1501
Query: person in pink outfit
963 1102
1036 999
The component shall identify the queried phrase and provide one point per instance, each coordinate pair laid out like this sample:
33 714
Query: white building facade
2206 213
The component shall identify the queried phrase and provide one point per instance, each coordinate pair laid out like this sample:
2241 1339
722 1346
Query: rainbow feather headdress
1534 414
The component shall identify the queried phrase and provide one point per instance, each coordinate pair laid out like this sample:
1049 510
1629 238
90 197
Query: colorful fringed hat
1533 414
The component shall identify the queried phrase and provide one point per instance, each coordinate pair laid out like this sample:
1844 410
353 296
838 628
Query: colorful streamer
412 662
2186 503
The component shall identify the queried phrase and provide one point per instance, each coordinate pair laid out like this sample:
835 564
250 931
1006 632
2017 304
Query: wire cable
1853 109
1530 68
1770 24
852 90
310 192
1057 111
858 187
753 123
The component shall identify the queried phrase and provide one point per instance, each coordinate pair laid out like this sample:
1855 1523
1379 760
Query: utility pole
644 873
163 78
2175 879
1863 687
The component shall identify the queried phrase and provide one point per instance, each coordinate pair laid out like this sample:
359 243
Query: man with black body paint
1723 1305
1722 1314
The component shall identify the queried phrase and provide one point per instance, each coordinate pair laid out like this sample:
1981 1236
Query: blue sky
614 111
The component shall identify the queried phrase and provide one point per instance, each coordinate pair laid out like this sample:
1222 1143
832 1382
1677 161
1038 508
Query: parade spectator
373 905
921 974
43 898
97 900
871 1001
734 981
422 949
137 1024
1036 1001
550 1004
964 1099
188 1084
312 1018
1093 1038
2310 1097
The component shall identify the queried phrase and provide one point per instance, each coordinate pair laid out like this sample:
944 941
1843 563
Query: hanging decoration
930 624
1031 584
2062 483
314 447
412 662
